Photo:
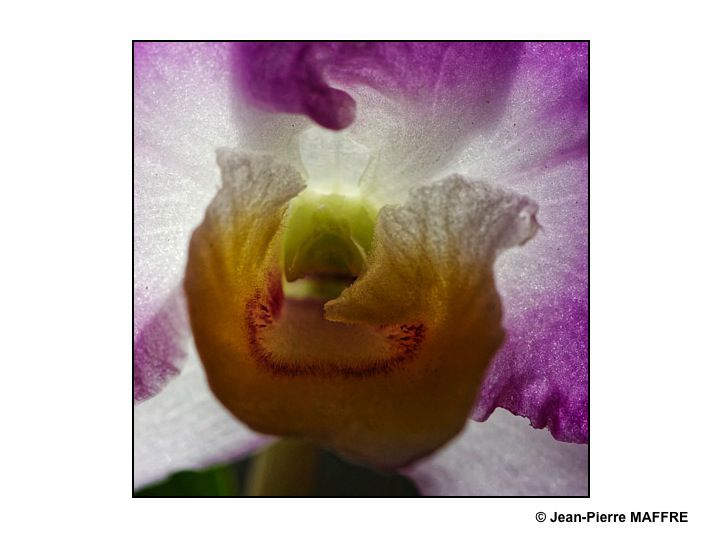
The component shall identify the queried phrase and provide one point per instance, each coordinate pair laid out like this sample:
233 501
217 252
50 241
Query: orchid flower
371 246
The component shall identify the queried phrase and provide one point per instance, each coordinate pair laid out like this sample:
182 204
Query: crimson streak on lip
260 314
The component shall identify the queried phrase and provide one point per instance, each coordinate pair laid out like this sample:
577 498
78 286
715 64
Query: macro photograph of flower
360 268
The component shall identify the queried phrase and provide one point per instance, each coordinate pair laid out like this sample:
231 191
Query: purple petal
160 347
540 149
289 77
504 457
541 372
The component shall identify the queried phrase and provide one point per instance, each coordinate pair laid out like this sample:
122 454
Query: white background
65 271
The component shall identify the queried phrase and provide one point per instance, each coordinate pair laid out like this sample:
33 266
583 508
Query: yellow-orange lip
266 312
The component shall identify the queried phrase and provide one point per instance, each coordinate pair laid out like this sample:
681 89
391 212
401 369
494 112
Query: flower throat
325 244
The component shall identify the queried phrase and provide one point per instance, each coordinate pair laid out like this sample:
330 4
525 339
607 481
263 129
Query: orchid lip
326 239
280 341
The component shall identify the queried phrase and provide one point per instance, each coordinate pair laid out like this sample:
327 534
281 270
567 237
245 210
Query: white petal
504 456
183 112
184 427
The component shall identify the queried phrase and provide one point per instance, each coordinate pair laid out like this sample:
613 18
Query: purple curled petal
541 371
289 77
296 77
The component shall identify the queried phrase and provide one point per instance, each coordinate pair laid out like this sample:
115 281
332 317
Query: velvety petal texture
504 456
423 317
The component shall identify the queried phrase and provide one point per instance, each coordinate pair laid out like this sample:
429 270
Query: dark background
334 477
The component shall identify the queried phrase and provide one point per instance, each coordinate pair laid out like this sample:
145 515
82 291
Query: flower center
325 244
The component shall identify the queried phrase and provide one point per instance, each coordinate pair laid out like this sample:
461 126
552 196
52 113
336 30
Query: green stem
285 468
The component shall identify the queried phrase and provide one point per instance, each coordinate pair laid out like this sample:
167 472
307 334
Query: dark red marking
263 310
276 296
